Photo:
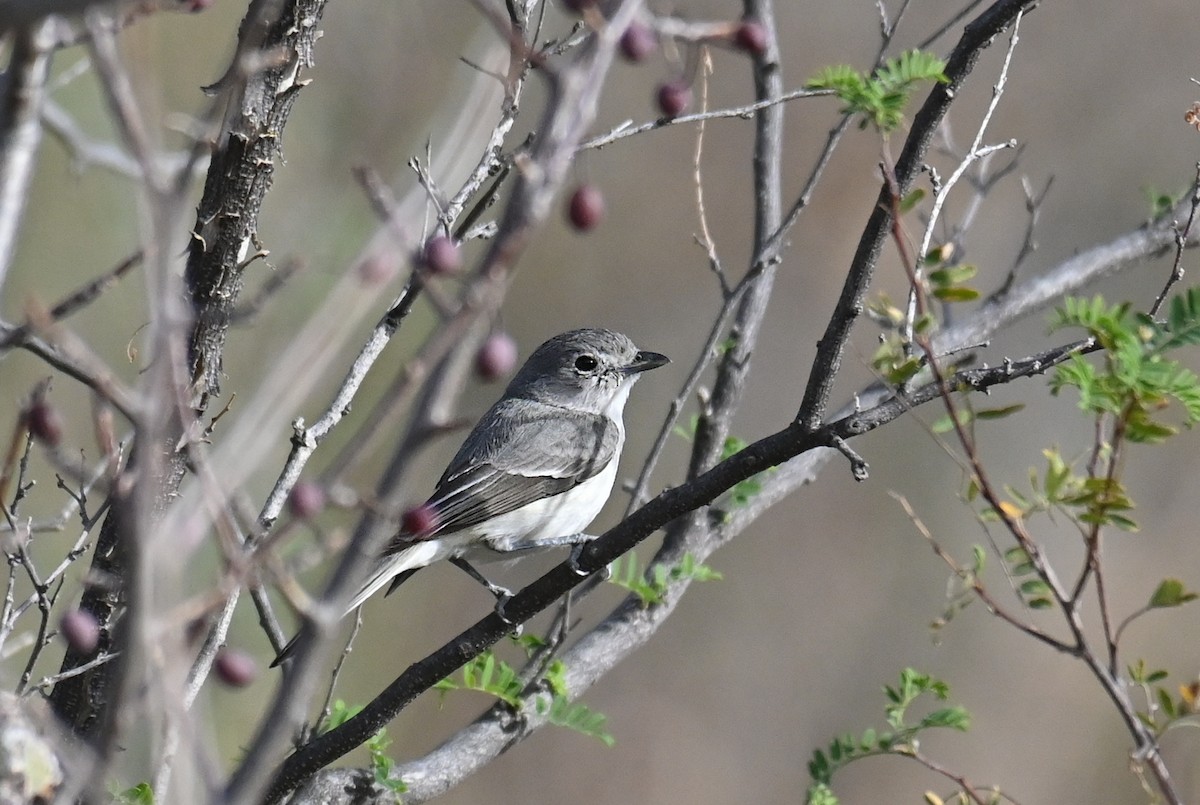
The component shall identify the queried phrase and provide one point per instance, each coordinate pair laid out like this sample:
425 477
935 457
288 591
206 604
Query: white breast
557 516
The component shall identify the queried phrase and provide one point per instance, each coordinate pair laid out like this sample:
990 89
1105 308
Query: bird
534 471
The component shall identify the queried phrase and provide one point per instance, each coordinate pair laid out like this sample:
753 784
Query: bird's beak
645 361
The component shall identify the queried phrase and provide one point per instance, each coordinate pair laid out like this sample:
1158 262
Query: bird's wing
517 454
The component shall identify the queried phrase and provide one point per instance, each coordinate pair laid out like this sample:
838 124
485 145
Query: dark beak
645 361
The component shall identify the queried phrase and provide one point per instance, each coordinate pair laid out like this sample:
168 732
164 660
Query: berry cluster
640 41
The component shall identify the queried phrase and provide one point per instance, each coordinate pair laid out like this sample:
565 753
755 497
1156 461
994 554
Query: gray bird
537 468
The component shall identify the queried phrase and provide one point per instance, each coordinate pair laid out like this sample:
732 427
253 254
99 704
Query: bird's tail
412 558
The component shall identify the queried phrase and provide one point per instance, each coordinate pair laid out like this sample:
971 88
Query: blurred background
832 593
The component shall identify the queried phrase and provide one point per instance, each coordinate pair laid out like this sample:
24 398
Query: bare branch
21 129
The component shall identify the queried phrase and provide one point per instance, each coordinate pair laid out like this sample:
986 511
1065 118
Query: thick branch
225 236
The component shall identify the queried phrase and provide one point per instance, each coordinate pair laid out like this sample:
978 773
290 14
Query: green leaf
1124 523
818 767
952 717
530 642
1035 587
911 200
340 713
486 674
978 559
925 324
627 574
581 719
953 275
945 423
688 431
1170 593
904 371
1166 703
1000 412
556 677
820 794
140 794
956 294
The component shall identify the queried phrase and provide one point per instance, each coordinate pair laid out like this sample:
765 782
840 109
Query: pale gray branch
24 91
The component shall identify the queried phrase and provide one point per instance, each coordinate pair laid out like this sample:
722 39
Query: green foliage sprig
140 794
1136 380
381 763
651 587
880 97
1163 710
901 738
491 675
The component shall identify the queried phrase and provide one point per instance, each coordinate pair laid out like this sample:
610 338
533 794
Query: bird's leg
573 559
503 594
576 541
518 546
577 551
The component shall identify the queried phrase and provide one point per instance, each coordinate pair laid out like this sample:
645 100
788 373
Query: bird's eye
585 363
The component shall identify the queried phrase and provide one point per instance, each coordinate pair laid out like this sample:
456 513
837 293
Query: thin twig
74 301
1181 238
746 112
705 238
976 152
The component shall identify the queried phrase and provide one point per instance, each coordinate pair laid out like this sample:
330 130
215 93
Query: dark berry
44 422
674 97
751 37
80 630
585 210
307 500
419 520
638 42
235 668
496 357
442 256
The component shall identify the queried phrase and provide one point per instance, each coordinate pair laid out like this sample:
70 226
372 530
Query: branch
24 93
977 36
629 626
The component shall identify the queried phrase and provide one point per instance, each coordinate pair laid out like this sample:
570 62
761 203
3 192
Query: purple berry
496 357
674 97
80 630
638 42
307 500
235 668
585 210
442 255
751 37
44 422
